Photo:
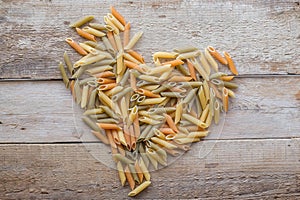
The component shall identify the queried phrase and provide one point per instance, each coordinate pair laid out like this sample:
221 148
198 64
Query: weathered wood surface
246 169
29 114
263 37
255 157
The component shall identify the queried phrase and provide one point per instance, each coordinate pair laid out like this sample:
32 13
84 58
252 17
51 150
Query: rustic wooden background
257 155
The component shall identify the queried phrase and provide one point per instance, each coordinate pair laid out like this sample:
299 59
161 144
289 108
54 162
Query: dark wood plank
246 169
41 111
262 37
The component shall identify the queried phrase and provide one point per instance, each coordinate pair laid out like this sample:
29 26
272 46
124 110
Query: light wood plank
262 37
246 169
41 111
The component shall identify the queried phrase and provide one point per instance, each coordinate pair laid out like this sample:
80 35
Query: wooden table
257 154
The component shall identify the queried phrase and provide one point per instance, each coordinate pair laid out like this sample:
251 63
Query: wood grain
41 111
262 37
246 169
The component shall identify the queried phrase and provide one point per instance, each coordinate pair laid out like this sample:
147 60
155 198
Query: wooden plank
41 111
262 37
246 169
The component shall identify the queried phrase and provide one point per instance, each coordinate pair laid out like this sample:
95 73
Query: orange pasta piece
126 36
76 46
136 55
231 64
72 89
132 65
139 171
167 131
111 141
225 99
117 15
127 137
170 122
217 55
107 86
115 136
105 80
104 74
85 35
129 177
108 126
174 63
111 39
226 78
147 93
191 69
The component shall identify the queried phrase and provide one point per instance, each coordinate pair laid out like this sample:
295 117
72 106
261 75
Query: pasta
144 112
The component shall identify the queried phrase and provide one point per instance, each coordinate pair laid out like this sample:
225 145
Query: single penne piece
186 140
129 177
204 63
100 136
160 110
117 96
77 91
209 118
194 120
194 84
182 69
159 134
190 96
173 94
170 122
206 90
82 21
163 143
93 111
216 112
128 57
200 69
230 62
167 131
180 79
111 39
104 74
191 70
105 80
76 46
86 80
109 112
114 91
150 87
91 60
115 21
204 113
117 15
151 79
152 160
118 42
160 69
64 75
84 96
120 64
123 159
108 126
144 169
230 85
136 55
174 63
217 55
107 86
173 152
98 26
211 60
111 24
68 63
187 55
231 93
126 35
121 173
121 137
133 114
134 173
139 171
148 120
105 99
152 101
108 45
146 93
108 120
139 189
185 49
132 65
197 134
89 49
178 112
93 31
164 55
92 99
225 99
85 35
134 40
226 78
99 69
90 123
217 75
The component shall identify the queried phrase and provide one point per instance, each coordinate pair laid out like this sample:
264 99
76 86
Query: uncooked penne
134 40
82 21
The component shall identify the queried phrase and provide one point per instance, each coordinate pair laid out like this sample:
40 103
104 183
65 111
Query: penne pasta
93 31
126 35
117 15
64 75
133 40
82 21
211 60
85 35
121 173
76 46
217 55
